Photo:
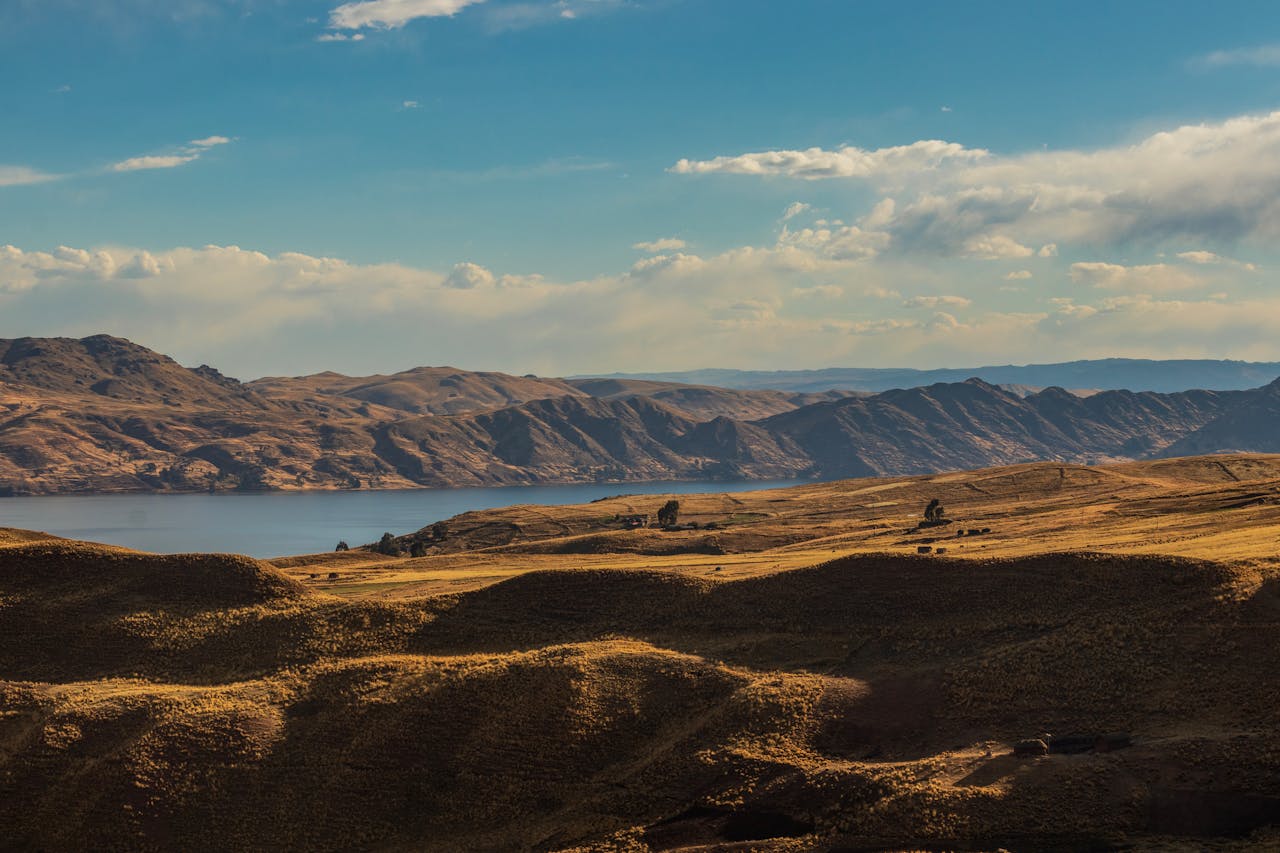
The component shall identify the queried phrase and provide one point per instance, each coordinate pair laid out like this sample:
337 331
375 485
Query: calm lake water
274 524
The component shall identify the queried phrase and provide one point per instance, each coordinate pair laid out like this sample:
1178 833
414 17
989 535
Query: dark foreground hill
868 703
104 414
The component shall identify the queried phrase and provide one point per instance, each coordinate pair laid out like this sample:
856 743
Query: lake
273 524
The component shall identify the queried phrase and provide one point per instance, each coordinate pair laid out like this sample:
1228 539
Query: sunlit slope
864 702
1217 507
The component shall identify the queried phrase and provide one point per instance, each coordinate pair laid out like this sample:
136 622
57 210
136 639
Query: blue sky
288 186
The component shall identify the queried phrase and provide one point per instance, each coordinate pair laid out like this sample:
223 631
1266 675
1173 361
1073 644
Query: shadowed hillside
861 701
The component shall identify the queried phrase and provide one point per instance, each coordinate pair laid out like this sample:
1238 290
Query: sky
586 186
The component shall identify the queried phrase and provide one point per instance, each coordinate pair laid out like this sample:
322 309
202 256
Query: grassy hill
816 684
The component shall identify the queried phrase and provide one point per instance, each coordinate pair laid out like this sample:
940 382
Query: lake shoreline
7 492
273 523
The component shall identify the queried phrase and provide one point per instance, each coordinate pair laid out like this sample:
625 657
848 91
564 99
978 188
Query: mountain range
104 414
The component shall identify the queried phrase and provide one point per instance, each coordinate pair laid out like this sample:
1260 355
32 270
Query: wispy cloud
1144 278
193 150
937 302
392 14
18 176
666 244
846 162
1203 258
518 16
547 168
1266 55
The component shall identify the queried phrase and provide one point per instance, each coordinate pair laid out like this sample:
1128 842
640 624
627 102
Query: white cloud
392 14
466 276
1264 55
1146 278
994 247
848 242
1205 258
168 161
666 244
191 152
253 313
937 302
410 105
1018 275
847 162
328 37
795 209
210 142
18 176
1216 183
678 263
825 291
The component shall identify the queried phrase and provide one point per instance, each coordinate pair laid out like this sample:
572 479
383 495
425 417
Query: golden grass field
1214 508
797 678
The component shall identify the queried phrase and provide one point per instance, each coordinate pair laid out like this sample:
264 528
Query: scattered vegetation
669 514
935 513
342 546
387 545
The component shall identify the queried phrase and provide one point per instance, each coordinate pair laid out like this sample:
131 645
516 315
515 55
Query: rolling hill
817 686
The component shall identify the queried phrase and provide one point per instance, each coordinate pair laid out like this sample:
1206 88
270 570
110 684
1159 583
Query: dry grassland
546 681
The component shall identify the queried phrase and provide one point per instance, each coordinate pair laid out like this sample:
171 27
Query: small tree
343 546
669 514
418 549
934 513
387 545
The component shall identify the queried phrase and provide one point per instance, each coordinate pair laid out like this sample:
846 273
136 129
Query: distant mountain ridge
1110 374
105 414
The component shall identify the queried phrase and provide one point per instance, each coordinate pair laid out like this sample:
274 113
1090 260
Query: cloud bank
1212 182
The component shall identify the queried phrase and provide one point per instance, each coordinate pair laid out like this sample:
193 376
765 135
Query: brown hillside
422 390
102 414
117 369
860 701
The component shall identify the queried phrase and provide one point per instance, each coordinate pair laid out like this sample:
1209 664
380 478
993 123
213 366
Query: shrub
934 513
387 545
669 514
343 546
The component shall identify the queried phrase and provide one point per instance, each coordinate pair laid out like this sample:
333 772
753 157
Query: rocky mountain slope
103 414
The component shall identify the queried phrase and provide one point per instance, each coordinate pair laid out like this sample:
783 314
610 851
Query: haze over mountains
1132 374
104 414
